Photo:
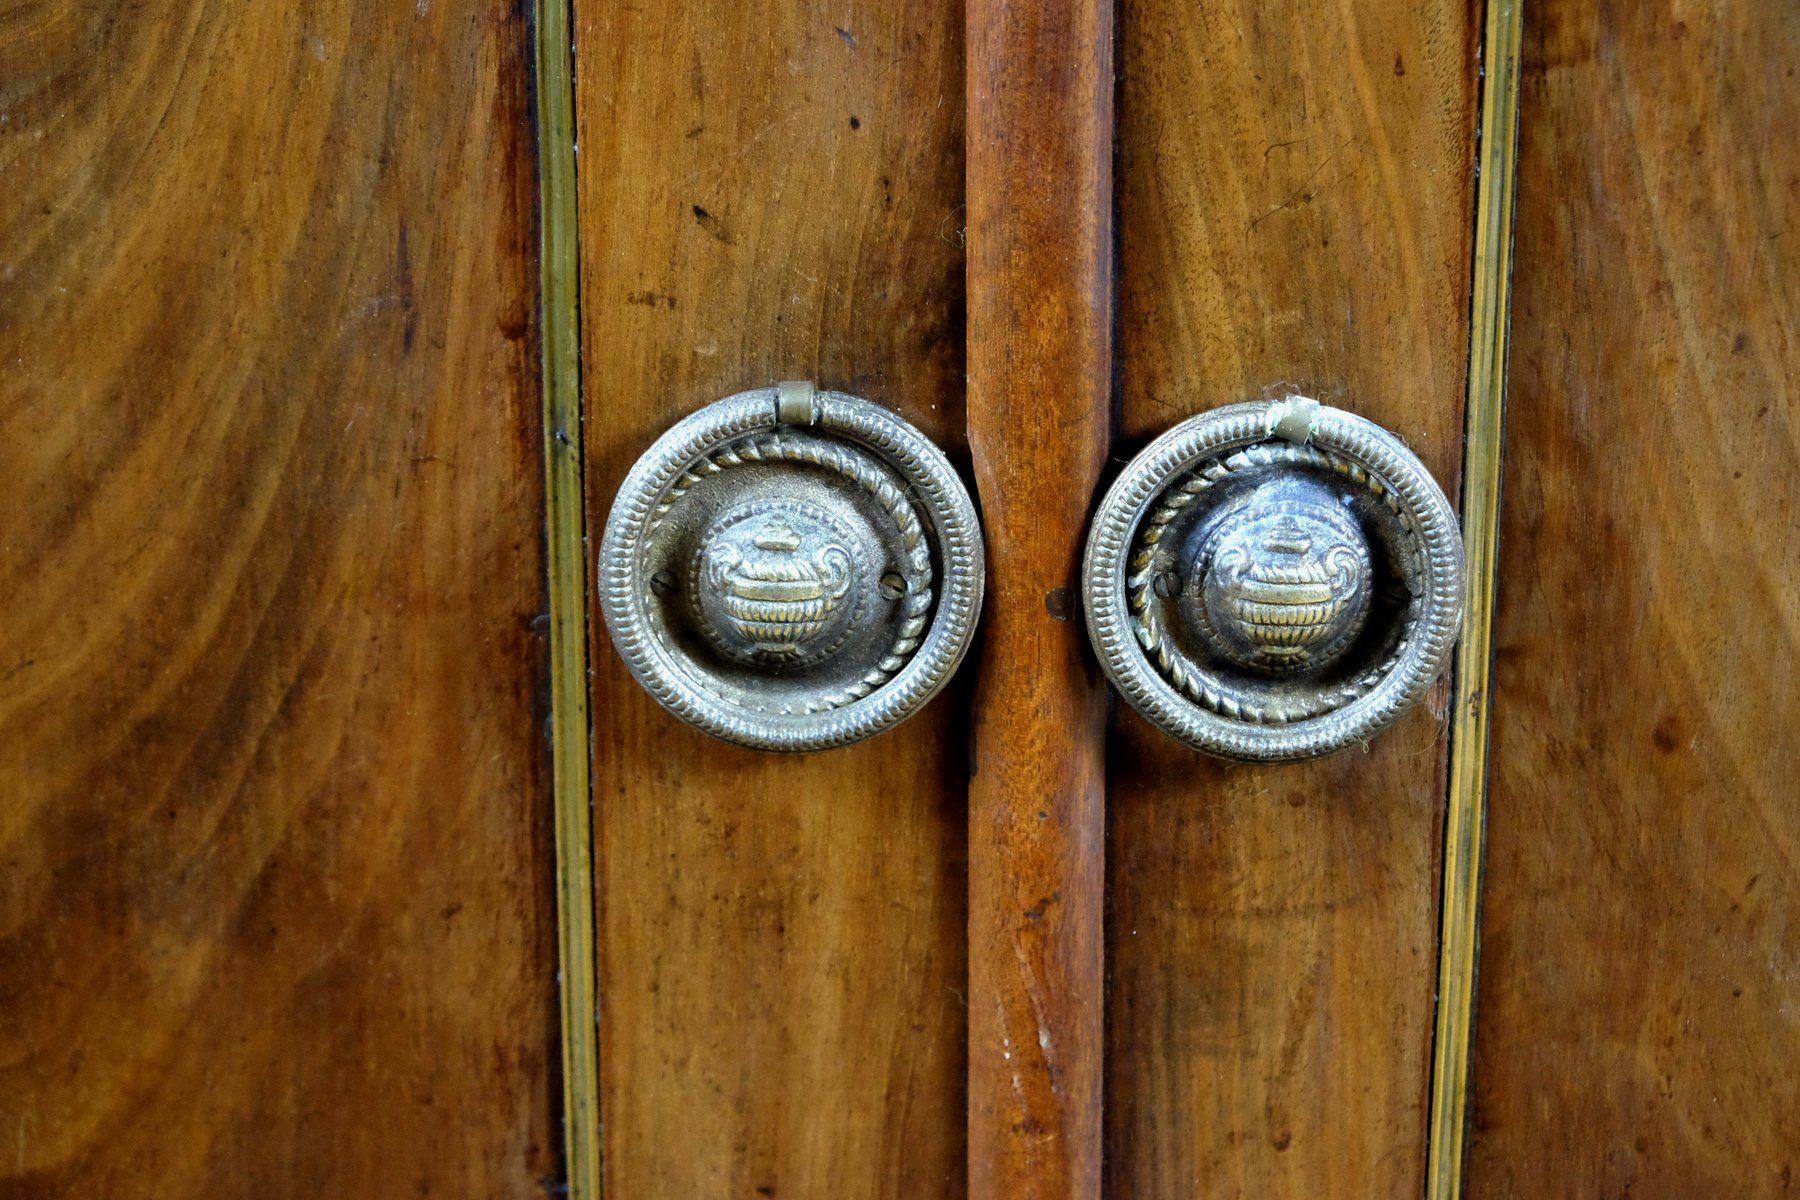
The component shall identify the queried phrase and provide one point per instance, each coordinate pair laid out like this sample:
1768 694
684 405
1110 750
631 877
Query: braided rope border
934 487
1194 681
1433 622
877 481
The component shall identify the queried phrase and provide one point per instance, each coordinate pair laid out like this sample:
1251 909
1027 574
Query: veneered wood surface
1295 210
1040 311
1636 1028
773 192
275 906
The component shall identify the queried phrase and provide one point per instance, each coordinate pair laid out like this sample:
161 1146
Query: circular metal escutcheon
1274 581
790 569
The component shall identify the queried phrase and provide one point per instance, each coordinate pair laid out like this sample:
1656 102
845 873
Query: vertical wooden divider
1039 278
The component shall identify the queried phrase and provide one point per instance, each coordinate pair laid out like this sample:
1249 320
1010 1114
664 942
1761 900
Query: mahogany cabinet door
276 905
769 192
1638 1016
1295 198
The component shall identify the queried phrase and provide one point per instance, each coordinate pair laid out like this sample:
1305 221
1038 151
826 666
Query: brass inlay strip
1465 816
567 565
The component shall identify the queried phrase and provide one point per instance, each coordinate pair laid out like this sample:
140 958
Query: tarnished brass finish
1284 579
1274 581
791 569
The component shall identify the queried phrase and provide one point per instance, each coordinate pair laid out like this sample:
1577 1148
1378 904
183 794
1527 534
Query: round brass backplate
790 569
1274 581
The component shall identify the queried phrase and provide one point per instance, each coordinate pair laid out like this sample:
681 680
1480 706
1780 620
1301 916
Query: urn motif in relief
1285 590
774 595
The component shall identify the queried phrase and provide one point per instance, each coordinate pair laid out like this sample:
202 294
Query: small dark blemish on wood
855 121
711 224
1399 65
1056 603
1666 735
849 38
1037 911
404 279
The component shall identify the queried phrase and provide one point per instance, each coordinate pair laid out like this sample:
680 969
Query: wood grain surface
1040 85
1636 1024
1295 207
773 192
275 907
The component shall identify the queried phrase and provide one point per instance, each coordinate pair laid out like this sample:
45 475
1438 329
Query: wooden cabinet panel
1295 192
773 192
277 888
1636 1027
275 907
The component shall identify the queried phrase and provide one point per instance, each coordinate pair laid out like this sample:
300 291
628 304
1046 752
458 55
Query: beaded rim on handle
1235 715
853 464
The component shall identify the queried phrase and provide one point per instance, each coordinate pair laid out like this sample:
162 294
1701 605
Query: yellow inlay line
567 566
1465 816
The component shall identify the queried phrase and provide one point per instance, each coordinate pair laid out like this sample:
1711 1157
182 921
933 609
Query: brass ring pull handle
790 569
1274 581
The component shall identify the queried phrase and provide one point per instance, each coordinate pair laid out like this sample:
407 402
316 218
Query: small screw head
893 586
664 583
1167 585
